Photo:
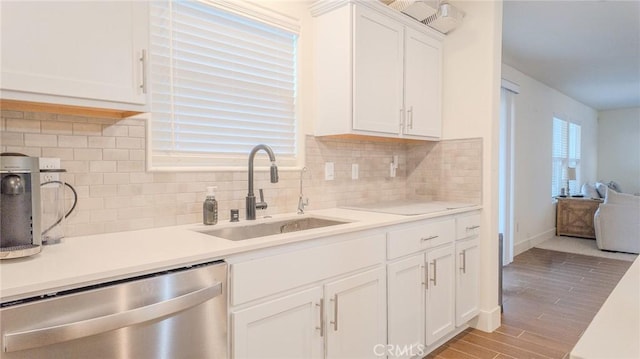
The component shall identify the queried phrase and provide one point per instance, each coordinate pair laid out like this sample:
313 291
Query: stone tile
89 129
40 140
72 141
102 142
87 154
57 127
115 131
114 154
22 125
11 138
129 142
102 166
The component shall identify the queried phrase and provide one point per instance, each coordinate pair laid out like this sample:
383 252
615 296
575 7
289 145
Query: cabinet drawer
270 275
421 236
468 226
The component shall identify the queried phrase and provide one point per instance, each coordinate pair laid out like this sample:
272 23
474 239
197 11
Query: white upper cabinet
423 84
377 80
377 72
81 53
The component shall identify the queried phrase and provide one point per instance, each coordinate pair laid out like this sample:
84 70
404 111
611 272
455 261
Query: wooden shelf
64 109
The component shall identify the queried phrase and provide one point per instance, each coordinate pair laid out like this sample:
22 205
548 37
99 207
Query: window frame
566 160
200 163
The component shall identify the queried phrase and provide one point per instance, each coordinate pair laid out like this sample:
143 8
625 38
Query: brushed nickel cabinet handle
335 313
464 261
143 60
321 327
472 228
410 111
428 238
423 279
435 273
401 119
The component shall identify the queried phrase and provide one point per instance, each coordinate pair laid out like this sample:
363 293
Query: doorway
506 168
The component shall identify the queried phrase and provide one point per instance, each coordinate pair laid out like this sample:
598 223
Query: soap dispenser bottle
210 207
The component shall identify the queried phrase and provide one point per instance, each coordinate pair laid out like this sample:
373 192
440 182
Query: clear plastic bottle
210 207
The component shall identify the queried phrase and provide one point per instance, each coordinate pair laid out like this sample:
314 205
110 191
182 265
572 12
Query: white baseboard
487 321
533 241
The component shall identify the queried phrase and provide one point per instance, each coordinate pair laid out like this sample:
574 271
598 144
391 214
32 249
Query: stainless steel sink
271 228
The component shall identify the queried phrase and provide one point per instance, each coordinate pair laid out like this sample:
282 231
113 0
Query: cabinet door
406 320
356 315
440 301
76 49
288 327
467 272
378 68
423 85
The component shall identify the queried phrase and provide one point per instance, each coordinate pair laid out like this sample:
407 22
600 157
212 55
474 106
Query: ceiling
588 50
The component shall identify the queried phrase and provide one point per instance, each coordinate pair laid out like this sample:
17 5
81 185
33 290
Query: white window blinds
565 154
221 83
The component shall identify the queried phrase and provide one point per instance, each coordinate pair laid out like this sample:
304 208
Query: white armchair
617 223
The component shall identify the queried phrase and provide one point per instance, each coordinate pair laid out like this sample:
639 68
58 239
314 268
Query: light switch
354 171
328 171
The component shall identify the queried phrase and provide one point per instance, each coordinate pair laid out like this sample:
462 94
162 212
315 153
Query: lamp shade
571 173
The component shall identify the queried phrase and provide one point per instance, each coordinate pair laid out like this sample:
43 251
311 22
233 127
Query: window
222 81
566 154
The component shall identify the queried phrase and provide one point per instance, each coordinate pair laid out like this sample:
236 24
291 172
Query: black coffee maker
20 233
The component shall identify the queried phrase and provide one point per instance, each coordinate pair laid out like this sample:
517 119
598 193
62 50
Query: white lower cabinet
467 279
316 301
338 300
287 327
350 314
421 300
405 279
432 282
356 315
440 299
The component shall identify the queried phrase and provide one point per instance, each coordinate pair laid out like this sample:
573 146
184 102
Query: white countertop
615 330
87 260
410 208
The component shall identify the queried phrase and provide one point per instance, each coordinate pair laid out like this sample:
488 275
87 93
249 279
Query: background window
565 154
221 83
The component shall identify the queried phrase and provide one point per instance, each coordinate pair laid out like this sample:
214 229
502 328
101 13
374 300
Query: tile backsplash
105 162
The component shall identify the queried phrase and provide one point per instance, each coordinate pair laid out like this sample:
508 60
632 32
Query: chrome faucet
302 202
251 198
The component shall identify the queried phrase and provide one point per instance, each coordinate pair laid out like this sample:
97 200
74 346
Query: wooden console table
574 217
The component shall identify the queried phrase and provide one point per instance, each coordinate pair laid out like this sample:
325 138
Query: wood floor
549 299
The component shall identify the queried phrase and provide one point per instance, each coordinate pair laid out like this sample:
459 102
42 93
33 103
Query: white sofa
617 223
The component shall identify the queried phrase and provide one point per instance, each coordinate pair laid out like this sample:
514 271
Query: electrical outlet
328 171
354 171
49 163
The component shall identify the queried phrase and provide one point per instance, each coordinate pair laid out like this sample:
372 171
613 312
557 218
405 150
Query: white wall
535 107
471 103
619 148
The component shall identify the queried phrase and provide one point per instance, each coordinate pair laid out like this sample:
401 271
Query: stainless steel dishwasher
180 313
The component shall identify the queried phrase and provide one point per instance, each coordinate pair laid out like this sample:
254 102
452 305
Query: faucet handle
262 204
302 203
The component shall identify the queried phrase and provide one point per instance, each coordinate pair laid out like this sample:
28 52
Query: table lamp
571 176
